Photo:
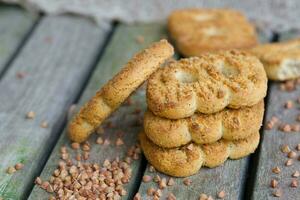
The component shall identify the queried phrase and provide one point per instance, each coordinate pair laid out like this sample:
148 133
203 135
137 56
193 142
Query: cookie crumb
30 115
11 170
274 183
285 148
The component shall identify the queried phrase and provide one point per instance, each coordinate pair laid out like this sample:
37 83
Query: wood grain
270 154
121 48
15 23
56 60
230 177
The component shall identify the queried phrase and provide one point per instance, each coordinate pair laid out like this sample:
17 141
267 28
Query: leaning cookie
198 31
188 159
117 90
230 124
281 60
206 84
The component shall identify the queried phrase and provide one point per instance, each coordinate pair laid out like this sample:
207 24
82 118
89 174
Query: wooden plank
122 47
270 155
15 23
230 177
57 60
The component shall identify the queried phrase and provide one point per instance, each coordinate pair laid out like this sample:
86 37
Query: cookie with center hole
206 84
118 89
198 31
188 159
230 124
281 60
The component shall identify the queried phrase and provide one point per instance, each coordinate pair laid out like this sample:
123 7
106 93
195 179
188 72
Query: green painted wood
15 23
270 154
121 48
57 59
230 177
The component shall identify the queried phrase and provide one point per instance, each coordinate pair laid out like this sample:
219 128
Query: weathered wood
270 154
57 60
230 177
122 47
15 23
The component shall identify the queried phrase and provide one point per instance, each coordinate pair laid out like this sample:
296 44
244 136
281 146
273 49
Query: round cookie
281 60
117 90
206 84
230 124
188 159
198 31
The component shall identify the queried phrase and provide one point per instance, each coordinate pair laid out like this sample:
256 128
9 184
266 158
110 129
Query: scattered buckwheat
289 162
119 142
298 118
298 147
156 178
288 105
210 198
137 196
285 148
292 154
203 196
171 182
30 115
274 183
106 142
100 130
187 182
276 170
286 128
147 178
296 174
295 127
11 170
99 140
151 169
86 147
75 145
20 75
221 194
190 147
294 183
277 193
171 196
44 124
150 191
139 39
38 181
19 166
162 184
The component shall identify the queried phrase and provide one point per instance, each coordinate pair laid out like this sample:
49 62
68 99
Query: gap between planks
57 59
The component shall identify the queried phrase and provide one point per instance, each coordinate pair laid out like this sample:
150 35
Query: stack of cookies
202 111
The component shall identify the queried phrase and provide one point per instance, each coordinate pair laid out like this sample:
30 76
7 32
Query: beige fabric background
279 15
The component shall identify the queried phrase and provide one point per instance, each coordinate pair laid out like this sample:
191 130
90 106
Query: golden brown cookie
198 31
281 60
206 84
188 159
230 124
117 90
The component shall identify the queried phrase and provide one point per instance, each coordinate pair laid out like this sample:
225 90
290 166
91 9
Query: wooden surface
120 49
60 57
270 154
57 59
15 24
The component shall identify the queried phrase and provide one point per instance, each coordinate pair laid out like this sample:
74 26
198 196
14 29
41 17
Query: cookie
198 31
188 159
281 60
117 90
230 124
206 84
